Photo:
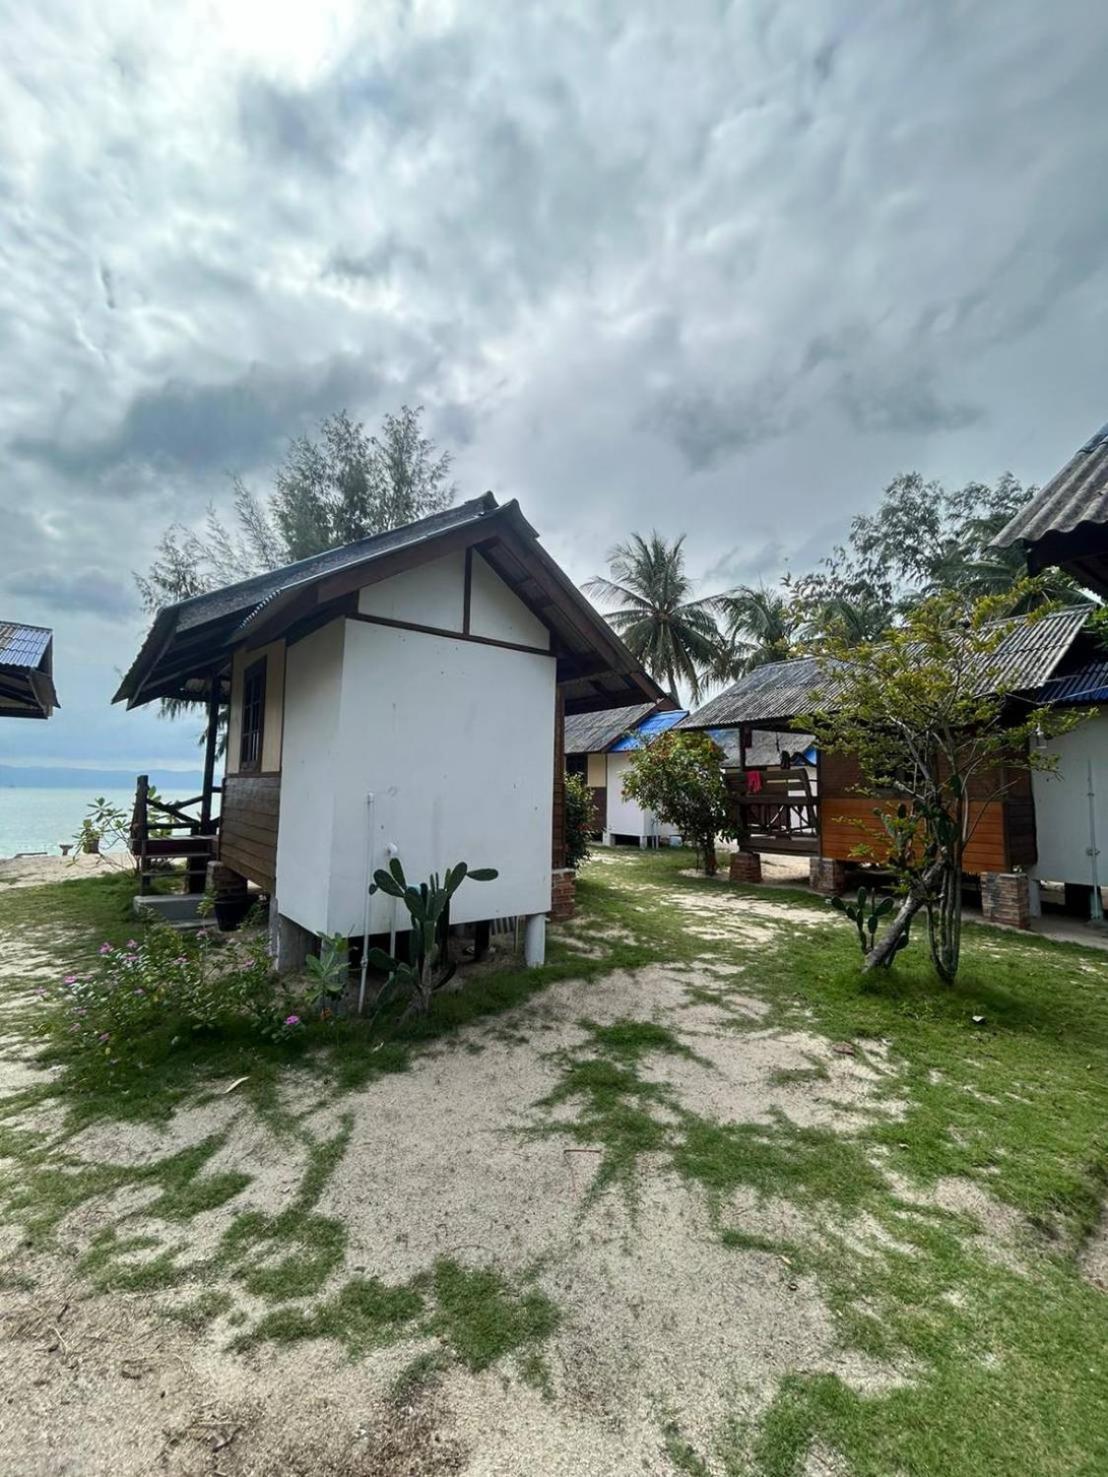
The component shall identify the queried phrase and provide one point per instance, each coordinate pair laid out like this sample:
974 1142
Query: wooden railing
162 831
774 809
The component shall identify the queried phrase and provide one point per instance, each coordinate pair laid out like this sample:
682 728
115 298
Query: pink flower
104 1036
292 1020
70 979
132 944
105 948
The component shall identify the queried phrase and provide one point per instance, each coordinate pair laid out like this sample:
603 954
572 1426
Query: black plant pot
229 912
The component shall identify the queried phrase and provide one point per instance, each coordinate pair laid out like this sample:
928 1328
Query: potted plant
87 839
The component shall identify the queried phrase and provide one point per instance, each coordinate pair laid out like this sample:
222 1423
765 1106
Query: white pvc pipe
534 940
365 900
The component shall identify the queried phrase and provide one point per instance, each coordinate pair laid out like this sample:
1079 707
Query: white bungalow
599 747
401 696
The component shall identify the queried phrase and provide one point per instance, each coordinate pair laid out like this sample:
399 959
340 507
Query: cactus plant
428 905
866 912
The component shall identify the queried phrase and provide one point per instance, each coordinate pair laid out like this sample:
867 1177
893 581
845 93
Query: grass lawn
916 1169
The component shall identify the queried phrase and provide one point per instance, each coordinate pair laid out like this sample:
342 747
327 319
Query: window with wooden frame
253 716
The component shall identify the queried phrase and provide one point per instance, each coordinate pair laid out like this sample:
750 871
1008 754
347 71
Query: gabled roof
26 680
595 733
1077 494
190 643
648 729
770 696
775 694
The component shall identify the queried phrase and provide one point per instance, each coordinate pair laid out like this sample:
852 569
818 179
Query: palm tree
674 637
856 619
760 626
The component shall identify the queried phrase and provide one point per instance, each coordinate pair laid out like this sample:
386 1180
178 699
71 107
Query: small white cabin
402 696
599 747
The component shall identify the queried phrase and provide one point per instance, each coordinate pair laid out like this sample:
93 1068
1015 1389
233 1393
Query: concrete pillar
746 866
826 874
1005 898
534 940
289 944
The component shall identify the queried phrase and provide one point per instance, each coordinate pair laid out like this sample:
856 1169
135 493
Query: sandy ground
659 1321
32 871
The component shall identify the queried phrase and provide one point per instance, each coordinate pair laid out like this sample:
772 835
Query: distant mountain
38 777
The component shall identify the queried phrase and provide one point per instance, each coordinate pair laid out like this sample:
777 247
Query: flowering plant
165 987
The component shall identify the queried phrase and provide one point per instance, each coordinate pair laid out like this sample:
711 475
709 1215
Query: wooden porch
774 810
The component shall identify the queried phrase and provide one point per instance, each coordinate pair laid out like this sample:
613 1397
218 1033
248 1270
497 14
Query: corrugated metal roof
776 691
649 728
779 691
1087 684
594 733
1078 494
22 646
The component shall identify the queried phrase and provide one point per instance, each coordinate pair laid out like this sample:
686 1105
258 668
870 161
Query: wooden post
140 830
209 755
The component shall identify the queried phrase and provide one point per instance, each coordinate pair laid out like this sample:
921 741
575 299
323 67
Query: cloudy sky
720 268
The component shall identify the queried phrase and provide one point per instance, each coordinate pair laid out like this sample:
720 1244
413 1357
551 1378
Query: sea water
45 819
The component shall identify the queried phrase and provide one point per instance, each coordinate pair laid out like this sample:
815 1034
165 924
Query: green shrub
113 1009
579 820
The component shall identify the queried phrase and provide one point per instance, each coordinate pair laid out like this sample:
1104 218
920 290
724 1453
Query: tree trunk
944 924
883 952
711 866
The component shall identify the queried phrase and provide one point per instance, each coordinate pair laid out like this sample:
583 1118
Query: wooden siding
248 827
1003 830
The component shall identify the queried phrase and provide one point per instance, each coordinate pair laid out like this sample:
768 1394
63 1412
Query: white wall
1062 805
454 738
430 595
496 612
627 817
313 688
456 742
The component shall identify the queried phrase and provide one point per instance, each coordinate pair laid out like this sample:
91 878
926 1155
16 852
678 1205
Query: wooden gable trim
448 635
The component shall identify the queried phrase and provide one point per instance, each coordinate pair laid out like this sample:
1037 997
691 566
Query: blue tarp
649 728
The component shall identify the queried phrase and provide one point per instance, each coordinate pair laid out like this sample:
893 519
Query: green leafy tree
930 718
675 637
579 820
922 540
679 777
343 485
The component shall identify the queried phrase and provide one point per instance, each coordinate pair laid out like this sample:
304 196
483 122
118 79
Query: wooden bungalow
599 747
402 695
828 819
26 671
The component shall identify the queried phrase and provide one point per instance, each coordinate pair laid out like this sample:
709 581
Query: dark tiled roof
190 643
780 691
22 646
1078 494
592 733
249 595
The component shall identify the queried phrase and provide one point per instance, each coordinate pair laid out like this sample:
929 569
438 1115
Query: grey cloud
89 591
910 403
206 427
710 427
